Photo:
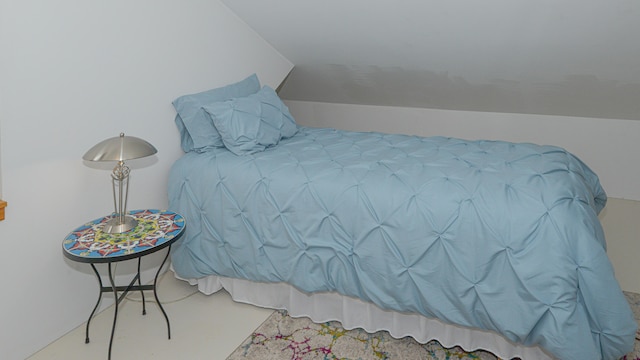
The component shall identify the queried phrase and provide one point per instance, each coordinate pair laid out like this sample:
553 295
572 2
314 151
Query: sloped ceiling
570 57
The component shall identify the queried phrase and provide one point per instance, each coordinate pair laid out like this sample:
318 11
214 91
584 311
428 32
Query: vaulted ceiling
570 57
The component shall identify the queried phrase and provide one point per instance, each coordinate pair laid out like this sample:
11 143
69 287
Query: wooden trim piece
3 204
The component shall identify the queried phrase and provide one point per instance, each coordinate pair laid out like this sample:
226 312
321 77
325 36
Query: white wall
621 228
610 147
75 72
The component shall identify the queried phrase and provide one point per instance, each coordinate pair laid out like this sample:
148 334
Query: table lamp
120 148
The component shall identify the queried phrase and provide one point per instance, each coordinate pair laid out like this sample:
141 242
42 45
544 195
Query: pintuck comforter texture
486 234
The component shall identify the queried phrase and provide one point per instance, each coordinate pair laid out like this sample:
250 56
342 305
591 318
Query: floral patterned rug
282 337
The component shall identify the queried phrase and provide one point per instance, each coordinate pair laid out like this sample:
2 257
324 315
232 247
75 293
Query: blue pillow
186 142
197 132
251 124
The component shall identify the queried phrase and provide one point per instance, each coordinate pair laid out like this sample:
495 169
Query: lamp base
117 224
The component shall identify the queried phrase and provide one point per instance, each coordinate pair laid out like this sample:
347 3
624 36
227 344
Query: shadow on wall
574 95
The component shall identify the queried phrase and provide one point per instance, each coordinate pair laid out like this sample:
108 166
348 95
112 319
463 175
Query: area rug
282 337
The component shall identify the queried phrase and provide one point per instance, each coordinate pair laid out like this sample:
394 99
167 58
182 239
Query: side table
156 230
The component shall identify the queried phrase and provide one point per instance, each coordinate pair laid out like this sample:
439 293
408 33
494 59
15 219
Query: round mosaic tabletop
156 229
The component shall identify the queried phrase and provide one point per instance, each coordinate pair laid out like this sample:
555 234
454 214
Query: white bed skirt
354 313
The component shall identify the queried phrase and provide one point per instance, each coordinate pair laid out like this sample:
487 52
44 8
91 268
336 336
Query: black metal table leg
86 340
115 311
144 308
125 290
155 292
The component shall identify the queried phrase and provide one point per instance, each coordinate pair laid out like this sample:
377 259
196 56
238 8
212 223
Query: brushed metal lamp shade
119 149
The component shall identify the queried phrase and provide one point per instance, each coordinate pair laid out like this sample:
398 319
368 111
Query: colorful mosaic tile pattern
155 227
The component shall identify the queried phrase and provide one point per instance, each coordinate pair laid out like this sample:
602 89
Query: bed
482 244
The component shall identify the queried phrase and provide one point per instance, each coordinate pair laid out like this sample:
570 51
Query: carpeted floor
281 337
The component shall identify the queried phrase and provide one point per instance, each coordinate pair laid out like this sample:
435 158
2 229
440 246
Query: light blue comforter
486 234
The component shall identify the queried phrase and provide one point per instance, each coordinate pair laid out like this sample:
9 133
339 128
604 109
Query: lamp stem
120 222
126 194
120 172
